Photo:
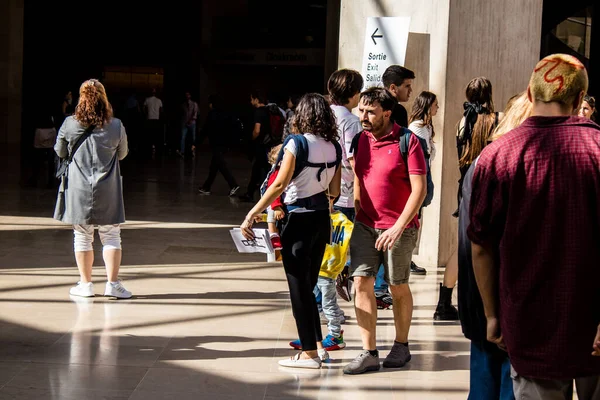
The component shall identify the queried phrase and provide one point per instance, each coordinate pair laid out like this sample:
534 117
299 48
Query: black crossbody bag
63 165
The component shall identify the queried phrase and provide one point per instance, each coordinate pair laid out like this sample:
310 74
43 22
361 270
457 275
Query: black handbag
63 163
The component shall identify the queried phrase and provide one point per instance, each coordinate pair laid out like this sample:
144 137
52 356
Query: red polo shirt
536 198
384 177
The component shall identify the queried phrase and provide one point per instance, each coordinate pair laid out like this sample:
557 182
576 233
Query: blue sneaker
332 343
329 343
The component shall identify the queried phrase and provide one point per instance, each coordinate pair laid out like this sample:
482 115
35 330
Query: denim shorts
366 259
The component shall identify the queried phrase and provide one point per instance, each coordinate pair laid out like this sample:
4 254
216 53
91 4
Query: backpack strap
405 144
354 145
323 166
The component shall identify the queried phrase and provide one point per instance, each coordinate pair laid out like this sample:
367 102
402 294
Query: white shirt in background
348 126
424 132
153 105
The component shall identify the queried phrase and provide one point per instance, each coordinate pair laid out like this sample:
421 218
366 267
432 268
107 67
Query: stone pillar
448 45
332 37
11 73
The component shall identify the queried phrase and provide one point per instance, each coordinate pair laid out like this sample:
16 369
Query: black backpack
318 201
404 143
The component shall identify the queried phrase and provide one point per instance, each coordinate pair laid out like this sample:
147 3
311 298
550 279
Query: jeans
381 285
184 131
349 212
490 373
218 164
326 289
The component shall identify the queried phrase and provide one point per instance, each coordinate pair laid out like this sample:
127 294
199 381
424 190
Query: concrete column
332 37
11 73
449 44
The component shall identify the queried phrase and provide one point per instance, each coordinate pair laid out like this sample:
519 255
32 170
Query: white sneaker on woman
83 289
117 290
323 354
297 362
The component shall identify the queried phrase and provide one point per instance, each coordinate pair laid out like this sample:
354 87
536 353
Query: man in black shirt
398 80
260 132
221 128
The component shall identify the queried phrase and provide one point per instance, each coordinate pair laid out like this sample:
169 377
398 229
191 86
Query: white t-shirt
153 104
306 183
424 132
348 126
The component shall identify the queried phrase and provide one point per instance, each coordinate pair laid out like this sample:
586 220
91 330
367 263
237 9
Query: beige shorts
366 259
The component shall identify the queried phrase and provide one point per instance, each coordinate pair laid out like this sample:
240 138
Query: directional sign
386 39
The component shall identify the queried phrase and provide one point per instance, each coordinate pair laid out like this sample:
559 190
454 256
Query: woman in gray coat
92 193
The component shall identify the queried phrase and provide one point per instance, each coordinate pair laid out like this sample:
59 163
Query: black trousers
260 169
304 237
218 164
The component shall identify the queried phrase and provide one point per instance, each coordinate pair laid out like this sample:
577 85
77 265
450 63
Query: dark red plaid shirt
536 197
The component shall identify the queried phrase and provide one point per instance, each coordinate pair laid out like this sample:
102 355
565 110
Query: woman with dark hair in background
94 194
474 132
588 108
309 181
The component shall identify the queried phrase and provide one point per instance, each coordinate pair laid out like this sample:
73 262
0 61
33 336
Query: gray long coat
94 188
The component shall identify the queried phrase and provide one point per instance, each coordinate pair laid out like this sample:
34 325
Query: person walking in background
153 109
220 128
94 194
261 133
188 124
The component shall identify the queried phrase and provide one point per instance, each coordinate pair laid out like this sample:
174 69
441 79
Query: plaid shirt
536 198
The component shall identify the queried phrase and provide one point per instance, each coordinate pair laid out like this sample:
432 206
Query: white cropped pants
110 236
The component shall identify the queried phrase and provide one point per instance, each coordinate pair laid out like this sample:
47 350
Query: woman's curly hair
314 115
93 107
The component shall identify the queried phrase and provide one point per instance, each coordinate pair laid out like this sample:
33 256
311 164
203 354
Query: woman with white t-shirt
424 109
309 178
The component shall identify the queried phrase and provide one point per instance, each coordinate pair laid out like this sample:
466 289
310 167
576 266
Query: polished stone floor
205 322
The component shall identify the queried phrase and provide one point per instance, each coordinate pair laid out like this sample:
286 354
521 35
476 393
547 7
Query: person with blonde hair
518 109
534 232
94 142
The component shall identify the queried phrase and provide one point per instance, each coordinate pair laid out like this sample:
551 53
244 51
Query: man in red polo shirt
388 192
535 233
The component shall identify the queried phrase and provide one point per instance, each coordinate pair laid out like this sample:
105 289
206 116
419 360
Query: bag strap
405 144
82 138
354 144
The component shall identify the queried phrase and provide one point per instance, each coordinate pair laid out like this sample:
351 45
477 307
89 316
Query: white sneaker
117 290
83 290
323 354
296 362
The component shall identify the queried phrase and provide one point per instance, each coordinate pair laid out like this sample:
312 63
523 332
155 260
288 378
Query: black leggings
303 238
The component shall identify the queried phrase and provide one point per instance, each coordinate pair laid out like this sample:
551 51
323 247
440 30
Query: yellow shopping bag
336 253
